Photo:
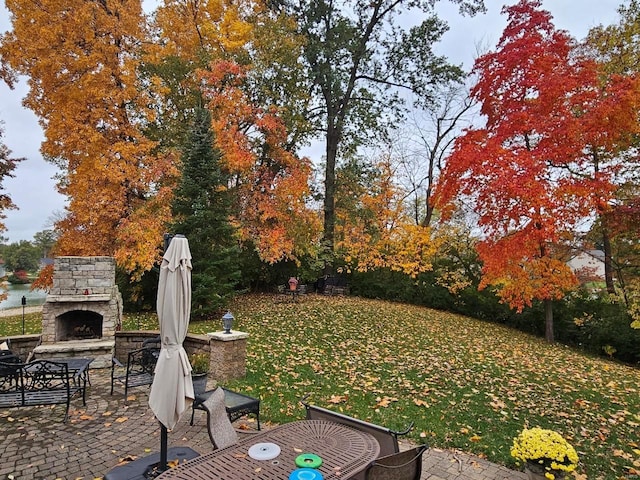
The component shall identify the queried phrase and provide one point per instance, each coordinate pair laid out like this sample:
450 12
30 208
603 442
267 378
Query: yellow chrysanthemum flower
546 449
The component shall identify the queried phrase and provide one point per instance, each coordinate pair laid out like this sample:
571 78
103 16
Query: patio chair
140 368
388 439
405 465
236 404
221 432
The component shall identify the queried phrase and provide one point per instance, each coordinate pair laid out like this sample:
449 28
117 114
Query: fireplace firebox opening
78 325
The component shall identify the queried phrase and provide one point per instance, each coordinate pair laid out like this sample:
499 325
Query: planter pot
536 472
199 383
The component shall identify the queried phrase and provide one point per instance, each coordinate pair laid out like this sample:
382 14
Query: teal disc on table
305 474
308 460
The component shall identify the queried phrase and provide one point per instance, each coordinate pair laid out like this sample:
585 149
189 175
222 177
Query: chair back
388 439
221 432
405 465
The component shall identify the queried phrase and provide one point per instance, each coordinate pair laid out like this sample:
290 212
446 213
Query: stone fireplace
82 311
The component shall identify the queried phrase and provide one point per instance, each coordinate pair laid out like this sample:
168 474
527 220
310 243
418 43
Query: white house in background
588 266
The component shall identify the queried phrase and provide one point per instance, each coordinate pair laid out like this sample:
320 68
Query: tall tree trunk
329 196
606 246
548 321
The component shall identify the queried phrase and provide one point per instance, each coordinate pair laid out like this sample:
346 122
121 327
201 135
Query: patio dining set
326 445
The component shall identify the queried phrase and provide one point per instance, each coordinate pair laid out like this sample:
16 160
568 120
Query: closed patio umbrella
172 389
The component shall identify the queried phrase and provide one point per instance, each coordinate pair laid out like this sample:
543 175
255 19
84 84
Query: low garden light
227 322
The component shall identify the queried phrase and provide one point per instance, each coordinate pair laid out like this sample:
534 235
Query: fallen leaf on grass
337 399
385 402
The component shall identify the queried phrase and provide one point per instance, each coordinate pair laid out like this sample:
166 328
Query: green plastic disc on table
308 460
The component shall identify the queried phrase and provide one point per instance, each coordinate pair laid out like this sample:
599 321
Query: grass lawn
467 384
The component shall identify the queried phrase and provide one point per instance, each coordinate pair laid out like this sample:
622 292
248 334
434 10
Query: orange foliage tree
374 229
81 59
530 172
270 182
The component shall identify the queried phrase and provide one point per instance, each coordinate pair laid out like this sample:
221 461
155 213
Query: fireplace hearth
82 311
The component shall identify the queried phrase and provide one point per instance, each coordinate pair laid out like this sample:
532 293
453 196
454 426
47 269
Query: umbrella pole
163 448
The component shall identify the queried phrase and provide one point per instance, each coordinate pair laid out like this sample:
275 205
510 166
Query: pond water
16 292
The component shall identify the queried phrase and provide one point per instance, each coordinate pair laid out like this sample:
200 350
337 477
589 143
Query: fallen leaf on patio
121 419
11 419
257 470
243 426
86 417
108 424
297 450
107 414
240 455
147 450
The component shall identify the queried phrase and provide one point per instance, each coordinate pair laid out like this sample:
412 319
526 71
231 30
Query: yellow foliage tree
374 230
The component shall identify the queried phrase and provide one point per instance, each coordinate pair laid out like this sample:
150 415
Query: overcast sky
33 188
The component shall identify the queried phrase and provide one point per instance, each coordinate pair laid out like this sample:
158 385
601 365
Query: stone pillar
228 358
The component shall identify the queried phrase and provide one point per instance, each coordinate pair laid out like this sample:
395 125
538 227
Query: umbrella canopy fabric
172 388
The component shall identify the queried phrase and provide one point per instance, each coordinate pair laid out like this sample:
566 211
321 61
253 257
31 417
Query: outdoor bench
39 382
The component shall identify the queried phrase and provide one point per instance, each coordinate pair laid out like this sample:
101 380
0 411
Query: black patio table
79 367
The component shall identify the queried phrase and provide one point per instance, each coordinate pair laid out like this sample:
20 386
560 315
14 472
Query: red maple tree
538 168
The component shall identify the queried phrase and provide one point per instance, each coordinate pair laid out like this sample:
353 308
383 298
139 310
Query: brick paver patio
35 444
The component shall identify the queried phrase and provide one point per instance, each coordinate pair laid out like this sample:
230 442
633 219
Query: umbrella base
136 470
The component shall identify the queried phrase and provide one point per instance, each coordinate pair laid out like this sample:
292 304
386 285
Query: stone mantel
79 298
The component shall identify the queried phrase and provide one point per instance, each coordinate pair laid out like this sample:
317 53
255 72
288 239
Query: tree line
192 119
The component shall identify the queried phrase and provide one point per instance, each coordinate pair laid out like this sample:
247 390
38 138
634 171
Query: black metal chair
236 404
405 465
388 439
140 368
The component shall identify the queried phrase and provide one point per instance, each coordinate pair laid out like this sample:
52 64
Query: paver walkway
35 444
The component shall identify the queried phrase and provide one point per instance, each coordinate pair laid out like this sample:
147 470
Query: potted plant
545 453
199 370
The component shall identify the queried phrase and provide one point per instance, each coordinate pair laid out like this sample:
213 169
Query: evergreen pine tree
201 210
